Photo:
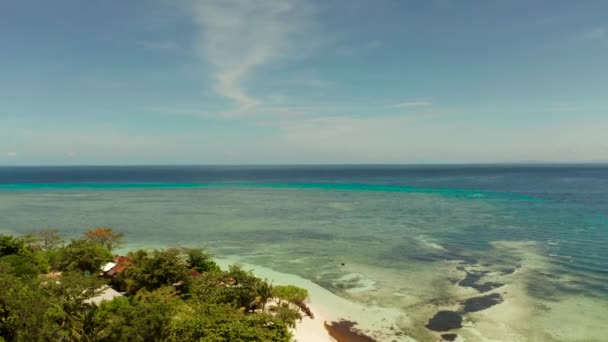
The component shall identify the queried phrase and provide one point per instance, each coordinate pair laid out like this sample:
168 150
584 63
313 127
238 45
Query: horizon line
516 163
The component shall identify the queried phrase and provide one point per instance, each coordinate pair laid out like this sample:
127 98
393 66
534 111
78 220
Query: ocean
519 252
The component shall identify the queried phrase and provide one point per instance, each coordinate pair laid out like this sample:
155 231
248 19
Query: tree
83 255
200 261
290 293
44 239
143 317
286 314
152 270
22 308
21 266
220 305
105 236
264 292
237 287
209 322
38 310
23 260
70 312
11 245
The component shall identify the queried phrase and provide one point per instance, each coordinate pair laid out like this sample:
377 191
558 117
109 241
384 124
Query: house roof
108 266
119 265
120 259
107 293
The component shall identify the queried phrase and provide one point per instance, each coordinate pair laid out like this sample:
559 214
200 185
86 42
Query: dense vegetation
175 294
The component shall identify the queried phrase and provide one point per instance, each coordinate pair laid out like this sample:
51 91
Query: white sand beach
312 329
374 321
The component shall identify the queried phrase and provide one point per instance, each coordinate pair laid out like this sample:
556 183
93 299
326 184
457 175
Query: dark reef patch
345 331
472 281
481 303
445 321
508 270
449 337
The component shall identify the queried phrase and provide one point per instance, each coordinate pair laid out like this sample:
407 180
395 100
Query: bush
144 317
155 269
83 255
200 261
290 293
220 322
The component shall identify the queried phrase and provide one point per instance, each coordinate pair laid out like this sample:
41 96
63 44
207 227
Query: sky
303 81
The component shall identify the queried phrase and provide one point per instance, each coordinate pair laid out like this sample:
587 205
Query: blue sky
287 81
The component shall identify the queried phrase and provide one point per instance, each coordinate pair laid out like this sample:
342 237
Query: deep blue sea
395 236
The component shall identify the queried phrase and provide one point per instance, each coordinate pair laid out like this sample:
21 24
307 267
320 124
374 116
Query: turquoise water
392 245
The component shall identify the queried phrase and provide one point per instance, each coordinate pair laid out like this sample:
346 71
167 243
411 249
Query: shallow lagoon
403 251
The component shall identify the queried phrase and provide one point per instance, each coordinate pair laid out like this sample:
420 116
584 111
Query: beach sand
373 321
312 329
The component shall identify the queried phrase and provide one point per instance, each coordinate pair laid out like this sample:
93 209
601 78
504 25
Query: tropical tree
155 269
292 294
23 308
143 317
68 302
11 245
264 292
210 322
83 255
105 236
199 260
237 287
19 255
45 240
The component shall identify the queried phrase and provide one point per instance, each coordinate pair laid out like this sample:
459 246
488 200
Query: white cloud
411 104
12 154
240 36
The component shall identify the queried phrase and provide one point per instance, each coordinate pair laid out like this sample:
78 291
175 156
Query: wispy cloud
190 111
573 107
595 34
411 104
11 154
240 36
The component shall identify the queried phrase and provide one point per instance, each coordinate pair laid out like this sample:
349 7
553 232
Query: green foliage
23 261
200 261
83 255
237 287
44 240
290 293
105 236
220 322
154 269
286 314
264 291
168 301
21 266
10 245
68 301
23 309
144 317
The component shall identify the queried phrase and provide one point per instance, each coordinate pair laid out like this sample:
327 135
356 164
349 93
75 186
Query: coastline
330 310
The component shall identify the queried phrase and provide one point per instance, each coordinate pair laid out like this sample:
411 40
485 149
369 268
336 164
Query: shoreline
334 316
